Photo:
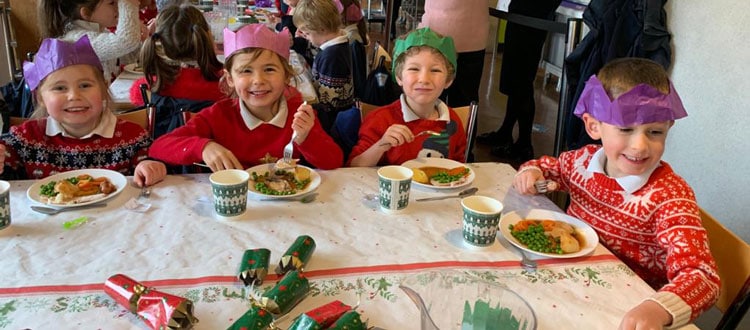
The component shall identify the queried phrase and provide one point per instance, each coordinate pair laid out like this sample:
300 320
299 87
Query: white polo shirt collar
629 183
105 128
409 115
252 122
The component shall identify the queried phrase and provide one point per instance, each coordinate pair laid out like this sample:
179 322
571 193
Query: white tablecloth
120 89
53 278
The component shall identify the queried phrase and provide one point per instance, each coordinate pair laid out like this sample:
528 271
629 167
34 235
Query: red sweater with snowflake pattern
32 154
656 230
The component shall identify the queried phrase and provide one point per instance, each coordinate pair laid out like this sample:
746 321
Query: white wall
711 147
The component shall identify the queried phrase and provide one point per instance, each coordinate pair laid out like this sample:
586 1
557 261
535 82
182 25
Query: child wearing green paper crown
641 209
424 66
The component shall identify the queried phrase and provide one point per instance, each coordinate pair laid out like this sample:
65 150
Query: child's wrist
527 169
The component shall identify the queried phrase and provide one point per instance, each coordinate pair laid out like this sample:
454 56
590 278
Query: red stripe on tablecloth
378 269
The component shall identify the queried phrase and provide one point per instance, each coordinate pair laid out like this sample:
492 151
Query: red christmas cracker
158 309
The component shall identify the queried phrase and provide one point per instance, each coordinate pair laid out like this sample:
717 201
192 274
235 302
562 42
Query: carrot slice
456 170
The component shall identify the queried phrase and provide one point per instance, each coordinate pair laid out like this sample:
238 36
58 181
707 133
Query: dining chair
732 256
375 16
364 108
142 117
17 120
468 116
378 52
186 115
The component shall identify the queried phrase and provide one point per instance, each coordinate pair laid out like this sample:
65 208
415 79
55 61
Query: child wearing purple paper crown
424 67
72 127
643 211
258 121
71 19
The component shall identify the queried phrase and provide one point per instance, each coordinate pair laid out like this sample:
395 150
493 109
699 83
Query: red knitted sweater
189 85
656 230
223 124
450 144
34 155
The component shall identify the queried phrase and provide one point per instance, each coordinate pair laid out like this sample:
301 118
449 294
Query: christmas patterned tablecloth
54 277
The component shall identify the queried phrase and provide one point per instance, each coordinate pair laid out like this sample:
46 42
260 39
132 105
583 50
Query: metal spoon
50 210
427 132
527 263
467 192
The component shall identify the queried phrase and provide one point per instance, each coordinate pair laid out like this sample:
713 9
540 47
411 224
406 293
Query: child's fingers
139 178
397 135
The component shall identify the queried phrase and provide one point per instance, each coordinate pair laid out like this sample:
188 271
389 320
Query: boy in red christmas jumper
424 66
263 115
644 213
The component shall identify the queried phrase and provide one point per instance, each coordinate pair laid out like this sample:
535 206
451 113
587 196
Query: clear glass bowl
460 300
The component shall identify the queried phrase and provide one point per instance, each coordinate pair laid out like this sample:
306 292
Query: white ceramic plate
438 162
134 68
591 239
263 168
117 179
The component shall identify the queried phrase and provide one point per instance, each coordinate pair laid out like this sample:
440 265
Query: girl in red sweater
262 116
180 66
644 213
72 127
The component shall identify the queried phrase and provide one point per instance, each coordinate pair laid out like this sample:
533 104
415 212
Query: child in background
644 213
179 62
72 127
424 66
147 11
258 121
356 30
147 15
71 19
319 22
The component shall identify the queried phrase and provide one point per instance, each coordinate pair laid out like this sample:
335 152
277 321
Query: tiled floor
492 105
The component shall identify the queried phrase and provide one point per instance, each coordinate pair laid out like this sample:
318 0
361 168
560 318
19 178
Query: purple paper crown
642 104
258 36
55 54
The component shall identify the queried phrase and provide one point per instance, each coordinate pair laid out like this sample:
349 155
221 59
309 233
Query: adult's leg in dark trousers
521 55
396 6
465 87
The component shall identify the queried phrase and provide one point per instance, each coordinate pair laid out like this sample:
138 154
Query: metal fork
545 186
289 149
145 193
528 264
427 132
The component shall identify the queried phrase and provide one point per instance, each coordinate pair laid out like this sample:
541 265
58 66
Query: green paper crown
425 37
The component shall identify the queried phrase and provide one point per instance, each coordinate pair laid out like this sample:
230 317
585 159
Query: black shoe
493 138
504 151
522 153
513 152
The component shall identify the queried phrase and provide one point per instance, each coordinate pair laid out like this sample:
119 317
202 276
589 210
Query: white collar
409 115
105 128
253 122
629 183
341 39
352 33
